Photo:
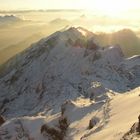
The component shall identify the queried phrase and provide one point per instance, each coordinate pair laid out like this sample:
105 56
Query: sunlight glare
108 7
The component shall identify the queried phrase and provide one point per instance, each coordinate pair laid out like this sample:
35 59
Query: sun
108 7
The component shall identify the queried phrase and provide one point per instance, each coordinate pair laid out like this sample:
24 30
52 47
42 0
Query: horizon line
43 10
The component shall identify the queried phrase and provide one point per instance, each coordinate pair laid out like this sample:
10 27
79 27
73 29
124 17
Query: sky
101 5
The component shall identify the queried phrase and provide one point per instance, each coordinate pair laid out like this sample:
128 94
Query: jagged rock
91 44
2 120
138 128
79 43
55 131
66 106
63 124
23 128
52 133
134 131
93 122
97 92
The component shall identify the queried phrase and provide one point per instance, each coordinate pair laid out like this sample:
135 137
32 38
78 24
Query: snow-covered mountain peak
67 65
64 64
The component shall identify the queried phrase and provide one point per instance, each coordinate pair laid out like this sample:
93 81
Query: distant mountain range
9 19
48 10
126 38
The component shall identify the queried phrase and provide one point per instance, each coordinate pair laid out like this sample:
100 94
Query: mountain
9 19
62 87
126 38
11 50
59 22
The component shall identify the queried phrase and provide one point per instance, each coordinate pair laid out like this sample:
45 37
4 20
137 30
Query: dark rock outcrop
2 120
133 132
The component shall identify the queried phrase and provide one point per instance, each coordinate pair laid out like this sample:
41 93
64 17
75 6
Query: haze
32 20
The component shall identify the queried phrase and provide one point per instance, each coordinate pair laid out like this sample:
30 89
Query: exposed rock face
51 133
56 132
26 128
138 128
134 132
93 122
97 92
2 120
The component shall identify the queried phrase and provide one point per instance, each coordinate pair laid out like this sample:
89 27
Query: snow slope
124 111
113 119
